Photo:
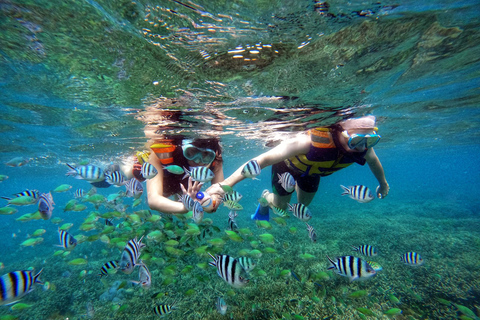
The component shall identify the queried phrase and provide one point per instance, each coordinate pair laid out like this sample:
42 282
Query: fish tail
331 261
187 173
36 277
345 190
6 198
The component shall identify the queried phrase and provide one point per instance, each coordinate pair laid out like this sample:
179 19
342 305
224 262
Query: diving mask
198 155
355 140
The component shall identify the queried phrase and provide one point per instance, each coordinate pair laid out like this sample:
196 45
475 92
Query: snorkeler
170 158
318 153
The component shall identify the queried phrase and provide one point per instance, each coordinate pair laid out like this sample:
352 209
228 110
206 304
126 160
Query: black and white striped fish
144 277
108 222
187 201
221 306
300 211
286 181
90 173
311 233
230 270
366 250
247 263
115 178
412 259
232 224
107 267
163 309
45 205
359 193
130 255
16 284
148 171
27 193
79 193
67 241
198 212
134 188
352 267
251 169
201 174
232 196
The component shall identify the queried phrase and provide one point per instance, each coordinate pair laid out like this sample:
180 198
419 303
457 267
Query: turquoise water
84 80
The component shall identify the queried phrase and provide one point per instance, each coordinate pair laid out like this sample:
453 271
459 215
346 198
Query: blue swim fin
262 213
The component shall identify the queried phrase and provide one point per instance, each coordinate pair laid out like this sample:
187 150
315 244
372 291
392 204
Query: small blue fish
67 241
412 259
251 169
148 171
174 169
201 174
359 193
45 205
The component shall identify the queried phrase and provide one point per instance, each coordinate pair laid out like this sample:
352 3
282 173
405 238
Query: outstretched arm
377 170
285 150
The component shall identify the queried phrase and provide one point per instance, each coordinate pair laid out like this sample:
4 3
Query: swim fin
262 213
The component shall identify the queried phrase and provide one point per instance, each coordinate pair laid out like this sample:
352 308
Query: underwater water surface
92 82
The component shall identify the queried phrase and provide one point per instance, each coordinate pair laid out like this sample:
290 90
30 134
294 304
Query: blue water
85 80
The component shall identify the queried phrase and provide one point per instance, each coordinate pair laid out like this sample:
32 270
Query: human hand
382 190
193 188
210 203
216 189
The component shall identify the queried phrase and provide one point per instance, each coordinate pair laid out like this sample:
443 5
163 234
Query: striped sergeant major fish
144 277
198 212
67 241
247 263
200 174
45 205
359 193
233 196
187 201
352 267
107 267
287 181
232 224
15 285
311 233
130 255
412 259
221 306
148 171
134 188
164 309
251 169
79 193
90 173
300 211
27 193
115 178
230 270
366 250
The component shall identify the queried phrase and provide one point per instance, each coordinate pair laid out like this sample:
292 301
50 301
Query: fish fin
187 173
36 277
354 278
13 302
333 266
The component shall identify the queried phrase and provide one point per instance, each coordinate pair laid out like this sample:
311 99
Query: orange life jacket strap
322 138
164 151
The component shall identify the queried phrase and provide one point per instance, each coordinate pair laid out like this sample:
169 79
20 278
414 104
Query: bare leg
275 200
304 197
